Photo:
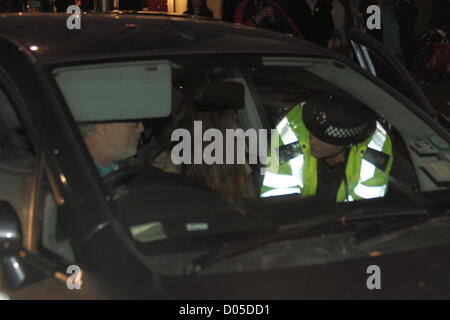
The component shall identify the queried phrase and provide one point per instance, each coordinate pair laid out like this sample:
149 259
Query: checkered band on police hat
338 121
337 132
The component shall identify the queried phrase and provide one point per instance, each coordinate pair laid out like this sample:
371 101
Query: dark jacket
19 5
376 33
246 10
204 10
135 5
407 15
62 5
316 26
228 8
441 15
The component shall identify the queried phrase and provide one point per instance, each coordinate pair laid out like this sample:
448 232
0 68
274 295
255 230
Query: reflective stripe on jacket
367 170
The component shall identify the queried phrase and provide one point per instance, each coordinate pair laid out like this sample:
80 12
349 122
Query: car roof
119 35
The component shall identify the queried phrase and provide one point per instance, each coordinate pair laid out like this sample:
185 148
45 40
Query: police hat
338 121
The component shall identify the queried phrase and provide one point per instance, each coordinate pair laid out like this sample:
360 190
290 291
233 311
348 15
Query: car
150 230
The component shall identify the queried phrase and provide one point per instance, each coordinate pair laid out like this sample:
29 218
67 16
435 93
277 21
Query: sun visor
117 91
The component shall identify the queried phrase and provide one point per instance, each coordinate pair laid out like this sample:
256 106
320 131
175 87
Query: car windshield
205 147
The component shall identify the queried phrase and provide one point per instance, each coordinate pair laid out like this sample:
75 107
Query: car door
373 57
27 187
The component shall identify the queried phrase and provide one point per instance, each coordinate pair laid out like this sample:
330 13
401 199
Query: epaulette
377 158
289 151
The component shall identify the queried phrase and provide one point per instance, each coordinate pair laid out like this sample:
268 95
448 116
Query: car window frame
361 43
32 236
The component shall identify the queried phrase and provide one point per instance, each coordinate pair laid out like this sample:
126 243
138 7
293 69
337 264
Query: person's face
320 149
123 138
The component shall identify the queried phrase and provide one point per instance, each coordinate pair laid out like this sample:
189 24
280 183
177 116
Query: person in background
228 8
345 19
86 5
62 5
266 14
134 5
390 28
313 19
407 15
376 33
11 5
198 8
441 15
389 34
27 6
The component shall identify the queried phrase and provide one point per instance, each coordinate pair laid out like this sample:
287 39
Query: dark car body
416 266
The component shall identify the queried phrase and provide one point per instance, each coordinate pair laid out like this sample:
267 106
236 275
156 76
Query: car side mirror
19 266
13 266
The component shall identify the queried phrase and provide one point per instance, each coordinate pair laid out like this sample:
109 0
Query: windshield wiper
395 229
305 227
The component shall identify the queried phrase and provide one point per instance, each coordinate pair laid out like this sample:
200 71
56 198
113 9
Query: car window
284 96
24 178
372 56
17 164
379 68
232 168
233 117
52 221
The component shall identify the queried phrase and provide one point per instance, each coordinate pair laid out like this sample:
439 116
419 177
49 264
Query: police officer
330 147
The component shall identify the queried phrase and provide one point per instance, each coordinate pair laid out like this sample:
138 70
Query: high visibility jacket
366 173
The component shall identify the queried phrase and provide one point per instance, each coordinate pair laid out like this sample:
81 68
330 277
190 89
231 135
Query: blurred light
4 296
16 265
375 254
63 178
9 235
34 48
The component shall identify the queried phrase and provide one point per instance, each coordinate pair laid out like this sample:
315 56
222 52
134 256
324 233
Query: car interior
255 101
226 97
